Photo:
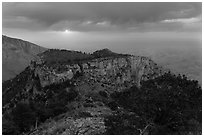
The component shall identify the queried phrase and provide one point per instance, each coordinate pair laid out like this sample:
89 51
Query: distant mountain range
16 56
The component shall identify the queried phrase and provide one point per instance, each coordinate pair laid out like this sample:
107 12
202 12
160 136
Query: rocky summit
70 92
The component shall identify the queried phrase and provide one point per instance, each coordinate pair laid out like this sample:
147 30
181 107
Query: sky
121 27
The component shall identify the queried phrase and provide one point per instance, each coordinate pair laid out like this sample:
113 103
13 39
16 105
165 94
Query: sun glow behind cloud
67 31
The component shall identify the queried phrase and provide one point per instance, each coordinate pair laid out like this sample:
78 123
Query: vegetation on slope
11 88
168 104
56 56
60 57
37 108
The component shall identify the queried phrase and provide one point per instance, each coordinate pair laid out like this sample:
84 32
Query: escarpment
105 70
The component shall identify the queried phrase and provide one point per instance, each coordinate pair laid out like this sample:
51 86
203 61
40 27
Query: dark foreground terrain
105 93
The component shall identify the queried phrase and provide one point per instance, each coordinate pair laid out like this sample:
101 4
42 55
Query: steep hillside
16 56
70 92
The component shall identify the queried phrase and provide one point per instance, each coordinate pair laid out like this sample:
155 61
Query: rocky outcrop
108 70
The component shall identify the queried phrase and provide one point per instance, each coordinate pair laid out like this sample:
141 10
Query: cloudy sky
91 26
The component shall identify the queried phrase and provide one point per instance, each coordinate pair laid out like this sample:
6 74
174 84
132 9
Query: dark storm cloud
94 15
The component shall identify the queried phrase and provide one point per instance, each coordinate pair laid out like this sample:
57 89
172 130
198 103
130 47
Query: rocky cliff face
112 71
16 56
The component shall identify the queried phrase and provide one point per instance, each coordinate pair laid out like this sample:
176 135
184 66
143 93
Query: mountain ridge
16 55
